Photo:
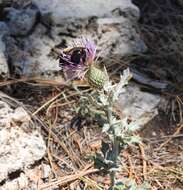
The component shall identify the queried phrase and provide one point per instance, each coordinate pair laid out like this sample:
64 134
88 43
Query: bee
76 56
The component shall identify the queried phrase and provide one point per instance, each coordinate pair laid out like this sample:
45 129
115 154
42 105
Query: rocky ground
40 148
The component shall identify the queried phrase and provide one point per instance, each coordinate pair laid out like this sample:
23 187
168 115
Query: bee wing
70 50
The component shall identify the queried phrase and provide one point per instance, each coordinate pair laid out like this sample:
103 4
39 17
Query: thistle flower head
75 59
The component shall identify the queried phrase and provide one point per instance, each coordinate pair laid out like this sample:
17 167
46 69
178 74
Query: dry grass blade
132 168
47 103
54 98
35 79
144 163
52 105
66 179
91 183
62 144
169 139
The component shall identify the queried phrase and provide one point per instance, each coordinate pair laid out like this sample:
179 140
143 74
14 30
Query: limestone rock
111 24
19 150
34 57
118 36
16 184
84 8
21 144
4 70
28 179
21 22
140 107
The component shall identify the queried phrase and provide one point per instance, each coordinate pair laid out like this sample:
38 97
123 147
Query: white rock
46 170
16 184
5 114
4 71
22 21
21 145
140 107
19 149
20 115
34 58
83 8
118 36
113 29
38 47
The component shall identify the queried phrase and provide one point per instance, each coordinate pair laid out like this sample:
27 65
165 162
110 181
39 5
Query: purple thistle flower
90 50
75 60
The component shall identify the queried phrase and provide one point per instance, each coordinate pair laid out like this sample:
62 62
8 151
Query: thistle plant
118 132
79 62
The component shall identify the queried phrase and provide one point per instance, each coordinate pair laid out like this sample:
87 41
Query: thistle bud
96 77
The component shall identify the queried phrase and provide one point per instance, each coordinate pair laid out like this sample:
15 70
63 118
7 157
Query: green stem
115 145
115 156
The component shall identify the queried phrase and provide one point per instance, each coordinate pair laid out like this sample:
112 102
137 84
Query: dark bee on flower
77 62
75 59
75 55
